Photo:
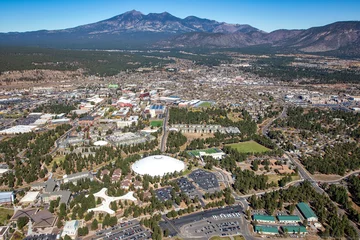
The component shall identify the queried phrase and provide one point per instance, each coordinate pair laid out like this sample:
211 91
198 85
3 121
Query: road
165 132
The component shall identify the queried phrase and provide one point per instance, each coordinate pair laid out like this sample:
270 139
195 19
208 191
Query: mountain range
162 30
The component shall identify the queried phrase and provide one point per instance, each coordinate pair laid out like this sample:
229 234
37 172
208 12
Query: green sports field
196 153
156 123
249 147
205 104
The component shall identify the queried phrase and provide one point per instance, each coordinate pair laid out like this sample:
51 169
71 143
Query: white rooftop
101 143
18 129
157 165
105 206
30 197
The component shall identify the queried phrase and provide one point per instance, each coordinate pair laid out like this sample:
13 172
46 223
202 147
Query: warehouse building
266 230
307 212
264 218
6 197
71 229
288 218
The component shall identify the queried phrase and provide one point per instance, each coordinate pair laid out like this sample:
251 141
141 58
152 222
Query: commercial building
71 229
39 218
77 176
212 152
307 212
30 197
266 230
301 230
63 195
156 110
6 197
129 138
86 121
288 218
18 129
264 218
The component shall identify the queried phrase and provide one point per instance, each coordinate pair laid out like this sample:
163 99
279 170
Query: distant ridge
133 29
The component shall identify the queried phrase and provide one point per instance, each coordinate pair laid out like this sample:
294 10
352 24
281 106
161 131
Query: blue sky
267 15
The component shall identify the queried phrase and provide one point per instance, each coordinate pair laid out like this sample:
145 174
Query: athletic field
156 123
249 147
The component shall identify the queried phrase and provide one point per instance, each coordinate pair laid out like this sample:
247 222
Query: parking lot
188 188
131 230
206 180
181 224
163 194
221 225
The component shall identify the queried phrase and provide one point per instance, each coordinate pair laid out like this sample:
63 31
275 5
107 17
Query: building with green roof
264 218
288 218
266 230
294 229
307 212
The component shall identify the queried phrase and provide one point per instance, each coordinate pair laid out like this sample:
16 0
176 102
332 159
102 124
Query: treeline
339 194
55 108
316 120
337 159
217 116
174 141
354 188
36 148
112 63
336 226
278 68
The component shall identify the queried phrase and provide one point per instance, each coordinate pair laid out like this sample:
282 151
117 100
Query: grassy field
205 104
249 147
197 152
156 123
275 178
4 213
220 238
238 238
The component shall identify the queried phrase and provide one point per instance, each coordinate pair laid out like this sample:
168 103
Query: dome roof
157 165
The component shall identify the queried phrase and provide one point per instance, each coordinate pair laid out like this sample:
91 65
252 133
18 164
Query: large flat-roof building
77 176
6 197
307 212
71 229
264 218
288 218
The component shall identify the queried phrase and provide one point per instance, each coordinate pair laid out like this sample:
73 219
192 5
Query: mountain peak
133 12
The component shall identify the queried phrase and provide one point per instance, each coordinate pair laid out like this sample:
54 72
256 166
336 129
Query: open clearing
275 178
248 147
156 123
4 213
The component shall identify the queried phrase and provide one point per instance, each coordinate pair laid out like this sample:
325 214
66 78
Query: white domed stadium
157 165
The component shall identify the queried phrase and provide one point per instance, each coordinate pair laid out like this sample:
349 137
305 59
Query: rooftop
306 210
288 218
264 217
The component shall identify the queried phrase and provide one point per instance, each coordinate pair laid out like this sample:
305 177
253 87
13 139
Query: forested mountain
163 30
